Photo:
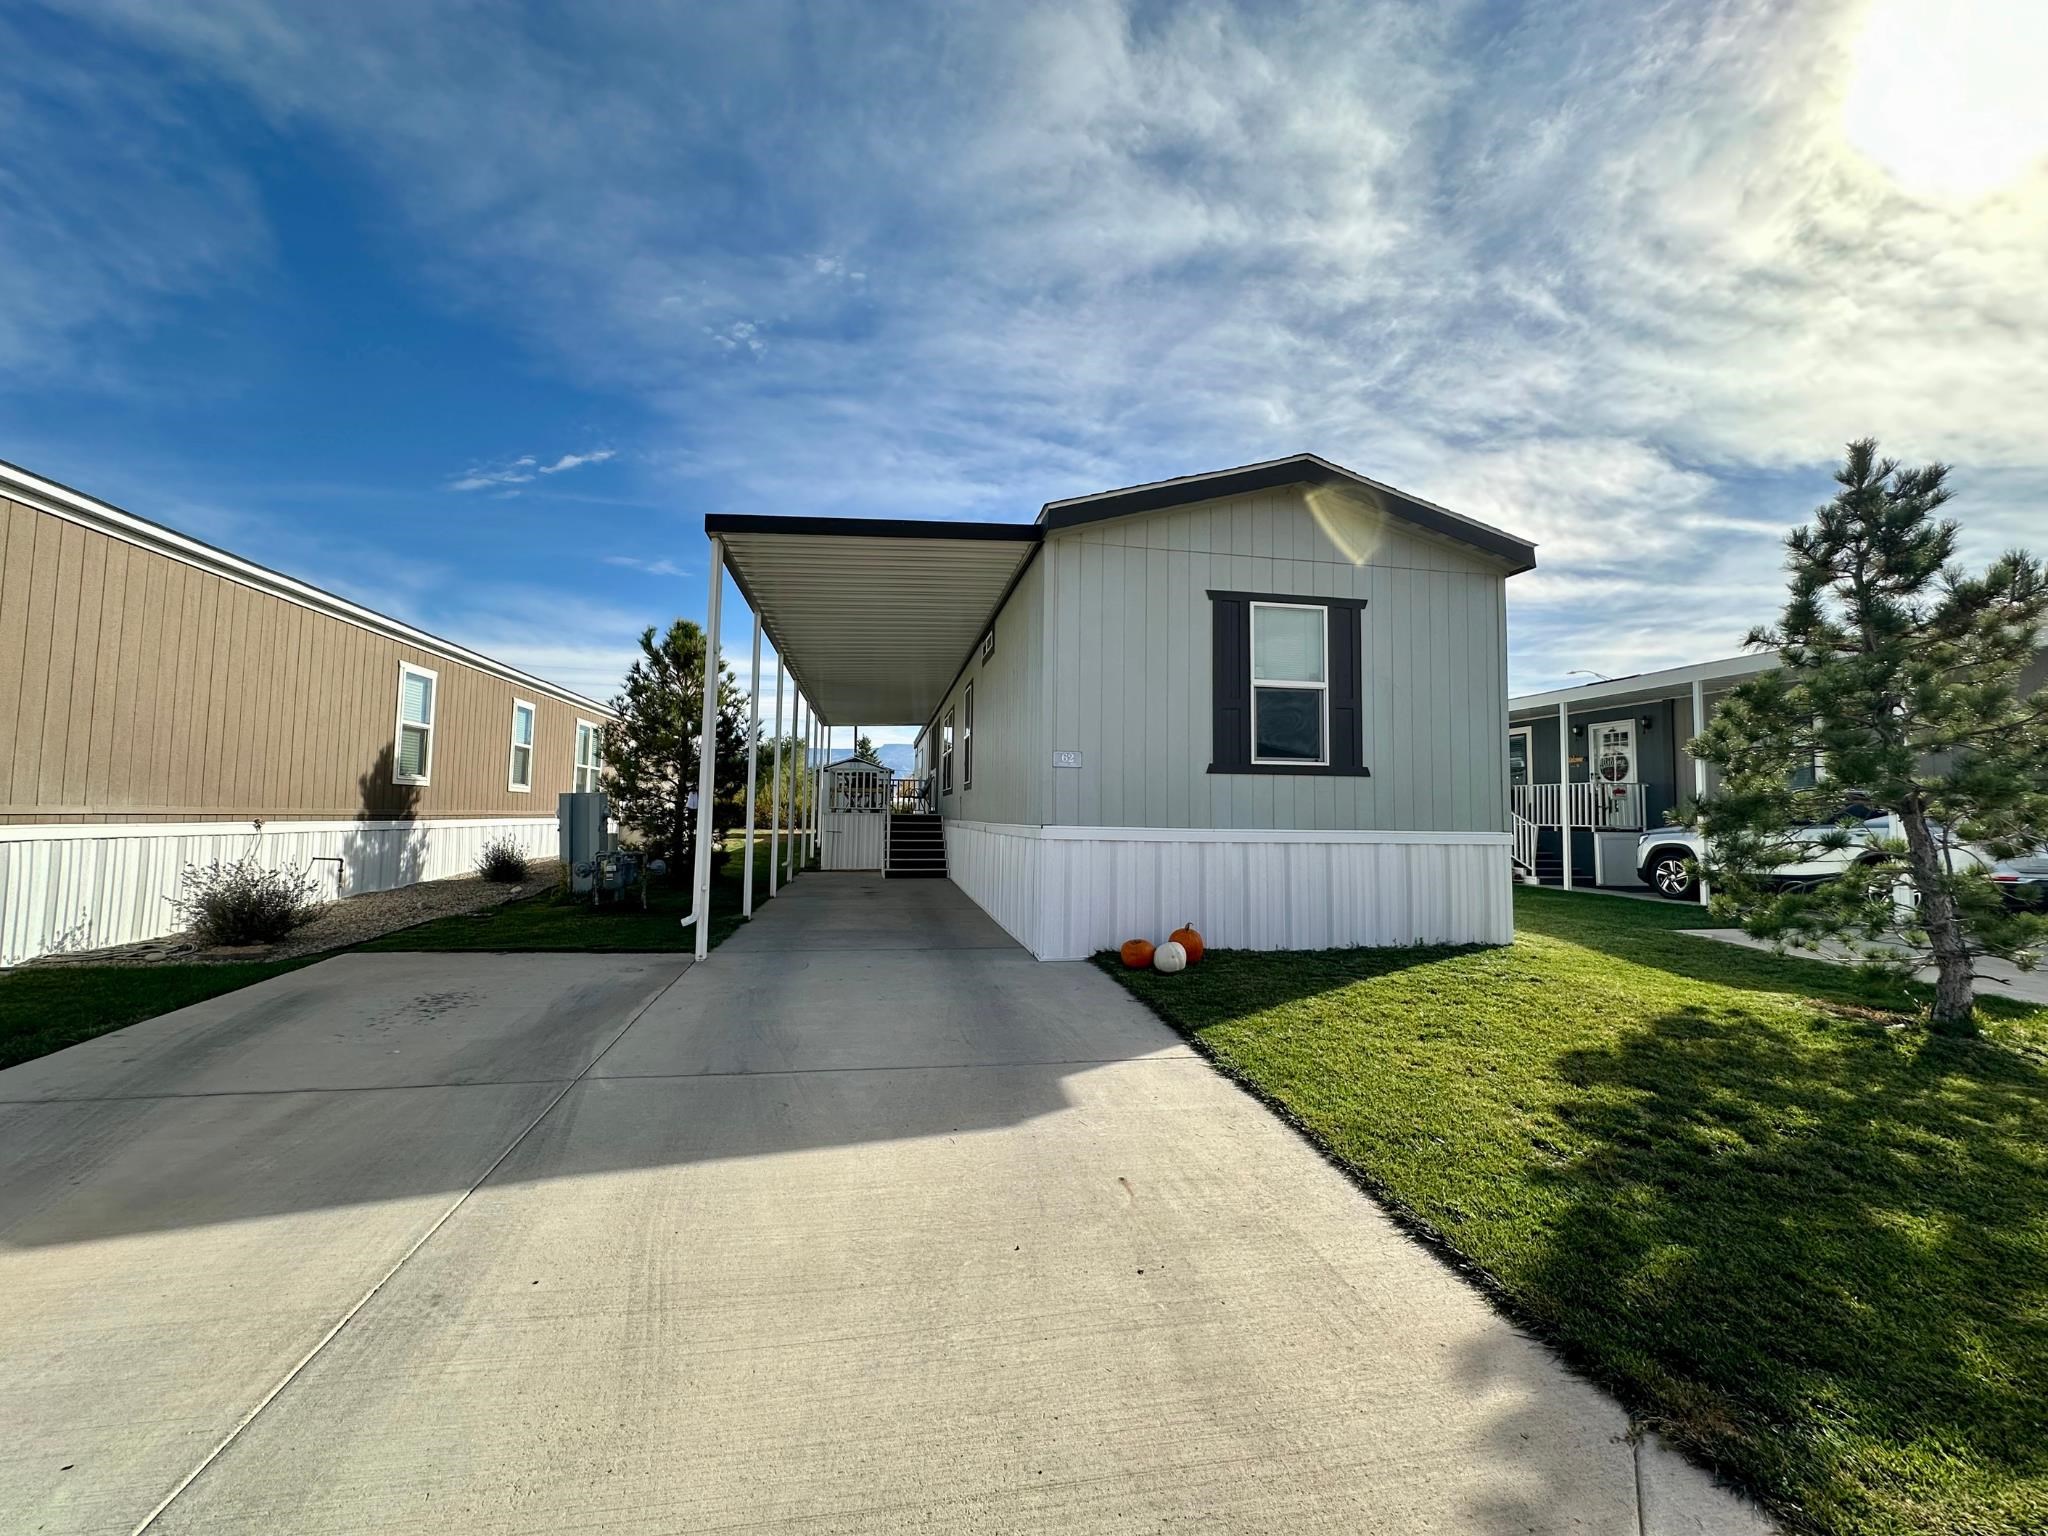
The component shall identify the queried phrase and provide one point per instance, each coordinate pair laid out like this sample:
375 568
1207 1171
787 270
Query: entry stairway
917 846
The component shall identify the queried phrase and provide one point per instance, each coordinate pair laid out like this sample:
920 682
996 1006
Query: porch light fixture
1646 721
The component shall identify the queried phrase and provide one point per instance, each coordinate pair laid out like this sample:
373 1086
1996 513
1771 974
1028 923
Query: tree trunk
1955 996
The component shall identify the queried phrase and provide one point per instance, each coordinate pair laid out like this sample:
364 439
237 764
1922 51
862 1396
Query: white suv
1668 858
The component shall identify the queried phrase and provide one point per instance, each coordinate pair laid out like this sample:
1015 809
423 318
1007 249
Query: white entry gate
856 815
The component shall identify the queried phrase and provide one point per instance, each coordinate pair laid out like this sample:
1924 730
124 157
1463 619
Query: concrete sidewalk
870 1223
1995 978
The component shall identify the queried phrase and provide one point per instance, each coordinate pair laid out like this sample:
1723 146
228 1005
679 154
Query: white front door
1611 764
1613 759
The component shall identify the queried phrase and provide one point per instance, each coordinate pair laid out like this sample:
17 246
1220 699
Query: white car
1668 858
2024 880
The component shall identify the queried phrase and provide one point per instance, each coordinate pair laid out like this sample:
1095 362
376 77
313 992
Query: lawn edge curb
1643 1417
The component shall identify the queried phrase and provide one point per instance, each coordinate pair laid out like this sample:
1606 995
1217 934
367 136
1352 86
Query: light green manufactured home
1270 701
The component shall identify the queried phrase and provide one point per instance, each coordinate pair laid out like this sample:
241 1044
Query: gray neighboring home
1620 745
1269 701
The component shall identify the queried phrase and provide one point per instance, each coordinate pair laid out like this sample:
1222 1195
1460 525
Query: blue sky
472 312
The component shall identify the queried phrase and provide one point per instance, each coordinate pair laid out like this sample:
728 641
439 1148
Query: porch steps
917 846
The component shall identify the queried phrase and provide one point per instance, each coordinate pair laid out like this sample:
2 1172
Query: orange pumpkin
1189 940
1137 953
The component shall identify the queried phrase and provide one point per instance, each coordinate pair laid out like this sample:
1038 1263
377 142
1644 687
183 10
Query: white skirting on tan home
1067 892
74 887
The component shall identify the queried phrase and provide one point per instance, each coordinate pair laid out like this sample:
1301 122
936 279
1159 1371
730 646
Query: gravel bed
352 920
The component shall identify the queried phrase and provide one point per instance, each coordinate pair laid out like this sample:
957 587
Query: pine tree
864 750
650 752
1899 683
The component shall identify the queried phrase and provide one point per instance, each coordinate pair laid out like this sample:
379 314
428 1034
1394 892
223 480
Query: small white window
414 762
1290 683
587 762
946 755
988 645
967 739
522 746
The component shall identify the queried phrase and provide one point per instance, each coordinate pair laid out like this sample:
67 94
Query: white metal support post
1699 723
795 771
1699 765
817 787
753 758
1564 788
707 753
775 791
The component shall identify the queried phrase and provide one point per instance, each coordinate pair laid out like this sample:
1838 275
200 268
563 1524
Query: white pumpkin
1169 957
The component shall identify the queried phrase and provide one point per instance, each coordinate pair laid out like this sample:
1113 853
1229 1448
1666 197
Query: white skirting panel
1066 892
84 887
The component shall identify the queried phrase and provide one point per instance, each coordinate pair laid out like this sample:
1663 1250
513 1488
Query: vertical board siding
1133 653
1064 897
1008 744
997 866
120 885
135 687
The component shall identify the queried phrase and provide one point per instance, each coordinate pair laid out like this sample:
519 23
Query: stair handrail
1525 841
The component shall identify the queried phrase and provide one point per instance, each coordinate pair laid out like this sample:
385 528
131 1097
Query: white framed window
988 645
946 755
521 778
587 760
413 754
967 739
1290 684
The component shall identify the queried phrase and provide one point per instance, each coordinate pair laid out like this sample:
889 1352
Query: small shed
856 815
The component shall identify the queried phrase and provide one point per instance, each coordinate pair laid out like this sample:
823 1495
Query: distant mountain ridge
898 757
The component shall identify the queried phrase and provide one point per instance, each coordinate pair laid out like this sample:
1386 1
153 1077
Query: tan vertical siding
17 563
137 687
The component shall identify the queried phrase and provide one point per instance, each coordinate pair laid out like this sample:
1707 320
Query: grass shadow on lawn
1820 1262
1806 1238
1649 933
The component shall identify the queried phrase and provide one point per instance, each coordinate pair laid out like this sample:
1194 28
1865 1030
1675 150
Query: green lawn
45 1010
1795 1231
554 921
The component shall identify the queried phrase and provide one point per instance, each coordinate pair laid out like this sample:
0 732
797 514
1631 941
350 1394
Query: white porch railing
1604 807
1525 842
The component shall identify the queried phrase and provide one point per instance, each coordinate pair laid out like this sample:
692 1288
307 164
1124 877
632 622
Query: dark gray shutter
1347 735
1231 685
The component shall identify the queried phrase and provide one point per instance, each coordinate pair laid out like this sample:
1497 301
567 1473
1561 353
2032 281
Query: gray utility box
583 823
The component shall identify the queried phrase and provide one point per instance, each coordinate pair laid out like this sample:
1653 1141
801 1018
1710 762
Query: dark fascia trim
868 527
1289 770
1298 469
1288 597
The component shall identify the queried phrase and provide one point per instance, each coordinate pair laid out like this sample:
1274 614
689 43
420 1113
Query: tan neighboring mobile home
165 704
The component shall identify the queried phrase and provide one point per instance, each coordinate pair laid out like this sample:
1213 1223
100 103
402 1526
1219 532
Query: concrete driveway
871 1223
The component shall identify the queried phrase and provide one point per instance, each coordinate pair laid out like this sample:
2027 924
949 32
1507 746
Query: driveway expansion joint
385 1279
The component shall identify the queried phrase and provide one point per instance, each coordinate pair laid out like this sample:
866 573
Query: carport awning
873 617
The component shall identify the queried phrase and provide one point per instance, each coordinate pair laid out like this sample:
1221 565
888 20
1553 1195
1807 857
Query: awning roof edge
874 617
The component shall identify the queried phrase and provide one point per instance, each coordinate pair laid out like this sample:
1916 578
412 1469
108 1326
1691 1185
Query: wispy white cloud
522 470
513 472
651 567
1624 281
577 461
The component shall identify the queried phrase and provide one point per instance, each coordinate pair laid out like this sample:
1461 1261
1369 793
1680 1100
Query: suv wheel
1670 873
